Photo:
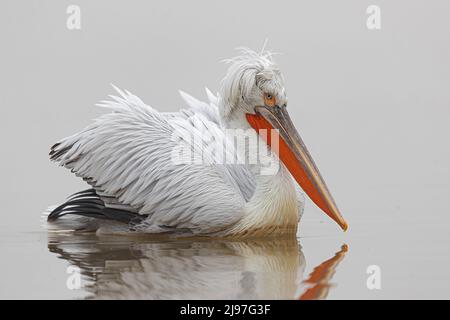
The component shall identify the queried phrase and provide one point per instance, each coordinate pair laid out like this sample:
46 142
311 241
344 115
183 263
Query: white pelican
127 158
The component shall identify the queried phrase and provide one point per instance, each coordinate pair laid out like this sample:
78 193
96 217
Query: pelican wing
127 155
209 110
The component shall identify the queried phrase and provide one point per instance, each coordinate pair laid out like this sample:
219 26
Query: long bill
296 157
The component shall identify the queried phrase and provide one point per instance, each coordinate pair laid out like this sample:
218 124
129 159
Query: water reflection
319 280
131 268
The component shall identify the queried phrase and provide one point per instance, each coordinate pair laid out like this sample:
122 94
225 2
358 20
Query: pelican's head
252 79
253 95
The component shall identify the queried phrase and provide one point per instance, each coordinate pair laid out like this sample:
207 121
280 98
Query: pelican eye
269 100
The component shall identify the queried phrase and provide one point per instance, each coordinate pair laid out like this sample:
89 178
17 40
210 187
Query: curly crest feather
249 74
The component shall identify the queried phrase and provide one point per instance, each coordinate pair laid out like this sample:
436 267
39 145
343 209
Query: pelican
127 158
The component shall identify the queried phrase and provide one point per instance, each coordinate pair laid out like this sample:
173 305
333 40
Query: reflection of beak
321 276
295 156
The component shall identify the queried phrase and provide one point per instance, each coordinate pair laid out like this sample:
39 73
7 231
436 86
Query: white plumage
126 156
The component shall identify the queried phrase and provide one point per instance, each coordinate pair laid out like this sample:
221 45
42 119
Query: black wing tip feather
88 203
85 203
53 149
55 153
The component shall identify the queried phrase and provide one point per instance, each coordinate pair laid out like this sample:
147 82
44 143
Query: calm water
315 266
140 268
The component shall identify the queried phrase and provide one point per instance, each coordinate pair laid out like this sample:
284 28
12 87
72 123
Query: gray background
372 106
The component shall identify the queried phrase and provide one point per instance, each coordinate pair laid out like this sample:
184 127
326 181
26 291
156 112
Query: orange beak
295 156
